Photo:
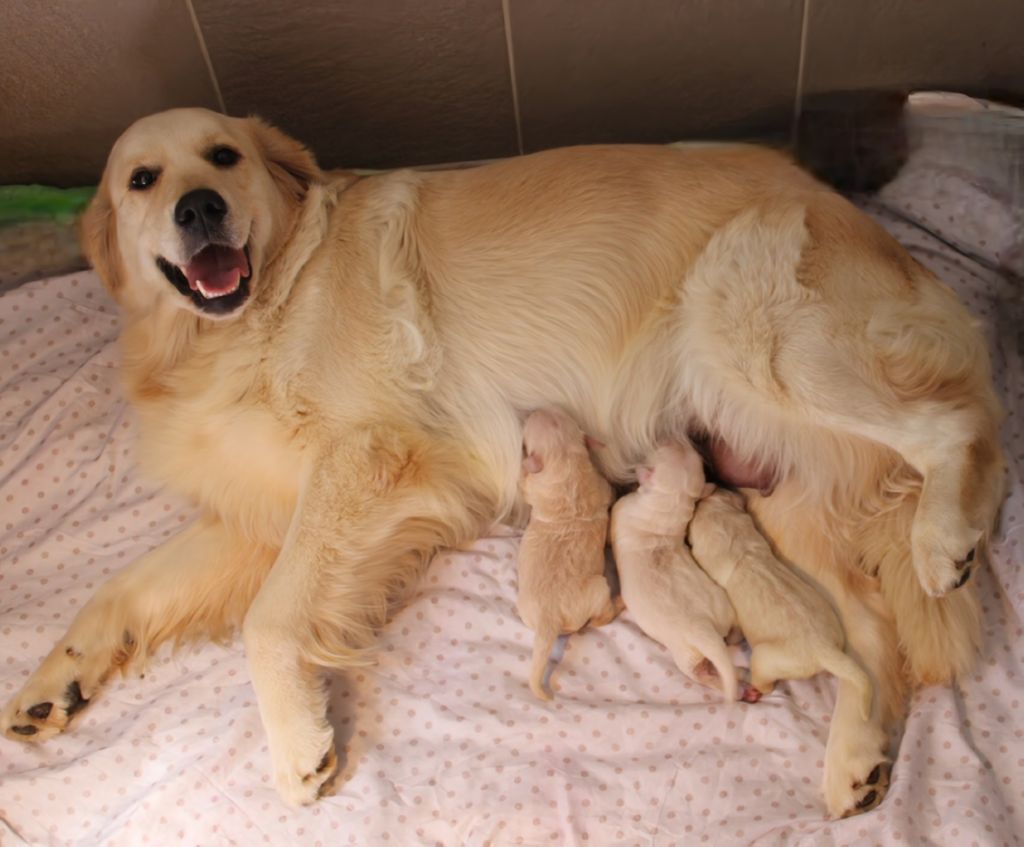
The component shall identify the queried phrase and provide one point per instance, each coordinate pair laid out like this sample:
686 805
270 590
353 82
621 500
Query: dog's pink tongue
219 267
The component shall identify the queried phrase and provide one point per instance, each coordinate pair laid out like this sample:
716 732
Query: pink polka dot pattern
443 742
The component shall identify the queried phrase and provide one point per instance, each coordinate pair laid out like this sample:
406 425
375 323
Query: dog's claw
966 575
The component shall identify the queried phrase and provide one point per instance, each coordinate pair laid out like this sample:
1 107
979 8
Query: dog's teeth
209 295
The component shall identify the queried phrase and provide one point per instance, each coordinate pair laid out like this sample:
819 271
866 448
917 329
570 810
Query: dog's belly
729 468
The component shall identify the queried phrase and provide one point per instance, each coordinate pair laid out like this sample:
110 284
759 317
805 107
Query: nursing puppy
671 598
792 629
562 586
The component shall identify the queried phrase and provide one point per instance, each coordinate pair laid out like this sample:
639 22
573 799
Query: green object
40 202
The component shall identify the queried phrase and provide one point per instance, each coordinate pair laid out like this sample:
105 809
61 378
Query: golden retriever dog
562 586
336 368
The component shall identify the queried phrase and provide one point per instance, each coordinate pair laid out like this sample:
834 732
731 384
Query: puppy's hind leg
710 666
543 642
604 608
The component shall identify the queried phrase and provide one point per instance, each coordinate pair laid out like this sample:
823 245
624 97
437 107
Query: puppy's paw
943 557
307 770
856 786
60 689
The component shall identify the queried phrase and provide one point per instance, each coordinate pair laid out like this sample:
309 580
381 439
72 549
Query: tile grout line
512 72
798 97
206 56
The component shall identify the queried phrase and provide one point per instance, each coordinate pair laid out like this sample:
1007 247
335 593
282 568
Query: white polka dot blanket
444 743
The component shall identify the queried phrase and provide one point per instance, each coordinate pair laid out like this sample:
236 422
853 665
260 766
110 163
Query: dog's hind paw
857 790
944 561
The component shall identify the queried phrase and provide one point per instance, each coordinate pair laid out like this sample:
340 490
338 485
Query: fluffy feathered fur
363 407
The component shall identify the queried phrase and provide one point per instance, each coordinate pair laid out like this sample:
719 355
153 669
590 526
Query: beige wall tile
653 70
373 84
74 75
896 44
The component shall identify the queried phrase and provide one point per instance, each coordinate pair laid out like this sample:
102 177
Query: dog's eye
142 178
224 157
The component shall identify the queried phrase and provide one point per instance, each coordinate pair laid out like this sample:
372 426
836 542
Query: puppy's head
191 208
674 469
549 436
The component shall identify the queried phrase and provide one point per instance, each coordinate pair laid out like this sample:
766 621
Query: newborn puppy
672 599
562 586
791 627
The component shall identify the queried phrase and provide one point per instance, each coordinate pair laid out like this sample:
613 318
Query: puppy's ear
533 464
97 233
290 163
644 474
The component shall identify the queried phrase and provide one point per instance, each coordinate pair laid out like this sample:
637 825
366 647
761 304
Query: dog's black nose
200 209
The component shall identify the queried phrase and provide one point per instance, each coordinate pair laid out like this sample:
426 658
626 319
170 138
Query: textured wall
392 82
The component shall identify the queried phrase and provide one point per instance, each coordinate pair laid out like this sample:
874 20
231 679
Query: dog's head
191 208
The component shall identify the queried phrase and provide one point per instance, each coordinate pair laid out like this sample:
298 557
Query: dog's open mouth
216 279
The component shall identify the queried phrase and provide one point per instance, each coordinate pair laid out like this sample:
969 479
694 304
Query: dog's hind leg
198 584
856 757
806 329
375 508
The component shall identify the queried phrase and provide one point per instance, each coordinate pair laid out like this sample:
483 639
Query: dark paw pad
40 711
24 730
874 776
75 701
966 575
867 800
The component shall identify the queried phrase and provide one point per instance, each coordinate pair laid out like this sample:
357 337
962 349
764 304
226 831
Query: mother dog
336 369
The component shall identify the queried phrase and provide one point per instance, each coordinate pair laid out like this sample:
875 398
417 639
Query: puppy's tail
543 641
717 654
843 666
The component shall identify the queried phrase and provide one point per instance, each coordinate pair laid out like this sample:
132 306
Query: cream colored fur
562 586
364 407
792 629
669 596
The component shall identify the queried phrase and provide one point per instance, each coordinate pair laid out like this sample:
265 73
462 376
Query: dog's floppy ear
97 233
290 164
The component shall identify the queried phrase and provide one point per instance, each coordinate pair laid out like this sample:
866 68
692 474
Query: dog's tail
843 666
543 641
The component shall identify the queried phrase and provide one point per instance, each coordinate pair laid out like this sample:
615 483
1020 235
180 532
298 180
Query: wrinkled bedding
444 744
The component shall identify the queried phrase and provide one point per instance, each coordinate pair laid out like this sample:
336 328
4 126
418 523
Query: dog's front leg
198 584
373 510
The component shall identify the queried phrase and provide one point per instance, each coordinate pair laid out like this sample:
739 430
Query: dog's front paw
306 770
61 687
944 557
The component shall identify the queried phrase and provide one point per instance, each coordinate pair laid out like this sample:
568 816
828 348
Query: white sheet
444 742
